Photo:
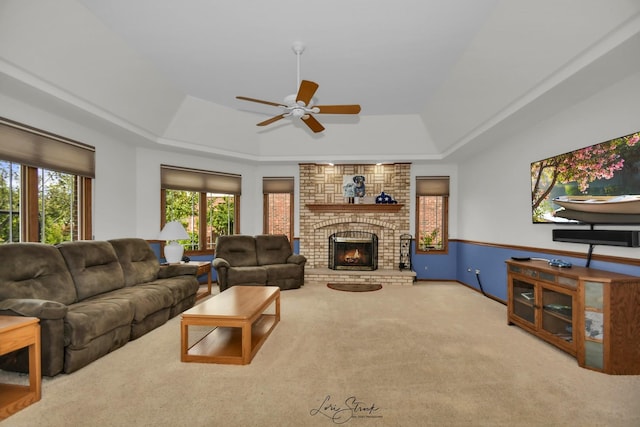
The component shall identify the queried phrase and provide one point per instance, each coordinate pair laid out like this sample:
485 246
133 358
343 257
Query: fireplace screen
353 250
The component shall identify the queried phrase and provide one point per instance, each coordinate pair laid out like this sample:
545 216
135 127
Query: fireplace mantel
354 207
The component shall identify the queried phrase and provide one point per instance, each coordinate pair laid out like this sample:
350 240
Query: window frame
436 186
203 182
278 185
34 150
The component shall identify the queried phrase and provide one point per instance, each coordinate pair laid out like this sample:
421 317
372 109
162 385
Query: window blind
277 185
179 178
432 185
32 147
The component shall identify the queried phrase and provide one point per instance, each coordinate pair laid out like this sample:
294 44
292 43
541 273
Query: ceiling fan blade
275 104
313 124
271 120
338 109
306 91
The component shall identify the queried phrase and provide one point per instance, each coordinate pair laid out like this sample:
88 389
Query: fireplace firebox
353 250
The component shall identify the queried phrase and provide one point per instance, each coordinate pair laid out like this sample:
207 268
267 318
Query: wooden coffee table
241 325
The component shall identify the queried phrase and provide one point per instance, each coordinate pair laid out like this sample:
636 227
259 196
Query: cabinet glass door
557 314
523 300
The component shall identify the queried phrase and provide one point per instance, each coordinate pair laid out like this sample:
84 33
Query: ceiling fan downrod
298 48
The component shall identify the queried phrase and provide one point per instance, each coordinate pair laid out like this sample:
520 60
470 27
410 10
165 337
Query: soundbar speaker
627 238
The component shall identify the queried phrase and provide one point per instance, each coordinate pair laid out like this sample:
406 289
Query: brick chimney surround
324 211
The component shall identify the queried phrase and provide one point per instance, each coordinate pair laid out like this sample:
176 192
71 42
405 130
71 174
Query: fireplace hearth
353 250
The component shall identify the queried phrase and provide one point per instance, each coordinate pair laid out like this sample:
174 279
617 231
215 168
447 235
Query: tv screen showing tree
598 184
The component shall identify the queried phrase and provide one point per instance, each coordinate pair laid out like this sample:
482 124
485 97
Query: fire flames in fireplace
352 257
353 250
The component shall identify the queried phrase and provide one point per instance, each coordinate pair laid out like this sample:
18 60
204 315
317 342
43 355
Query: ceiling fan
301 105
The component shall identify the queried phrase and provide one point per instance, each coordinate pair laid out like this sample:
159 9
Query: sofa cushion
272 249
94 267
238 250
146 299
138 261
93 318
181 287
35 270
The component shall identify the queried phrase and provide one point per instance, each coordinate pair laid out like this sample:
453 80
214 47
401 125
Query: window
45 186
432 203
206 203
278 206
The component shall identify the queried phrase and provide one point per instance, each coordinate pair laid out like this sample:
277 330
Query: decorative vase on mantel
383 198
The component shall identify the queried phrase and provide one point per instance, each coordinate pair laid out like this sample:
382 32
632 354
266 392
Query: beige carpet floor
435 354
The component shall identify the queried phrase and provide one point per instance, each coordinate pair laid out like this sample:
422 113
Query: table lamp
172 232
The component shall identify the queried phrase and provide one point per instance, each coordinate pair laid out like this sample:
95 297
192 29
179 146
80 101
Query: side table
16 333
204 267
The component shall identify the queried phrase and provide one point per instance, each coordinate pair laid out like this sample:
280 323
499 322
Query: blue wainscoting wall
435 266
464 259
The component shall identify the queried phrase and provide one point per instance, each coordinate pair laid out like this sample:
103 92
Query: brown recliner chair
258 261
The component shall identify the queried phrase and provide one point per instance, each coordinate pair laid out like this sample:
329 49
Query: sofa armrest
296 259
174 270
220 263
40 308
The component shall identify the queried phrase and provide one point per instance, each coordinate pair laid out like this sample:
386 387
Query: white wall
495 186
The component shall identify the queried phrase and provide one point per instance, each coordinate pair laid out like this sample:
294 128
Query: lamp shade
173 231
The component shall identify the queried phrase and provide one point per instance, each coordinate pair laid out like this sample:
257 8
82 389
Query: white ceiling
456 75
388 56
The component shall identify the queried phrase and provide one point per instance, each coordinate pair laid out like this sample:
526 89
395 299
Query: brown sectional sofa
91 297
260 260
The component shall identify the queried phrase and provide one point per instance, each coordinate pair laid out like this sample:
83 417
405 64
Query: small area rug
355 287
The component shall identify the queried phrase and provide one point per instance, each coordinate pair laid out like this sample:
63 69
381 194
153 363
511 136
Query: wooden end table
15 333
241 325
203 267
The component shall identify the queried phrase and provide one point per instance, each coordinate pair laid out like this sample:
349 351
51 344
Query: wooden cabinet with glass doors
591 314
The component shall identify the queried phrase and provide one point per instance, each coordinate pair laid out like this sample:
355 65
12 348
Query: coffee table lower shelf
224 344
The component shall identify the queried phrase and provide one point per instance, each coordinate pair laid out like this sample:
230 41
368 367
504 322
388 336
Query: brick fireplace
324 211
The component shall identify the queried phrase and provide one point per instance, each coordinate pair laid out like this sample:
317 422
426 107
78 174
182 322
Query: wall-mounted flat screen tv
598 184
